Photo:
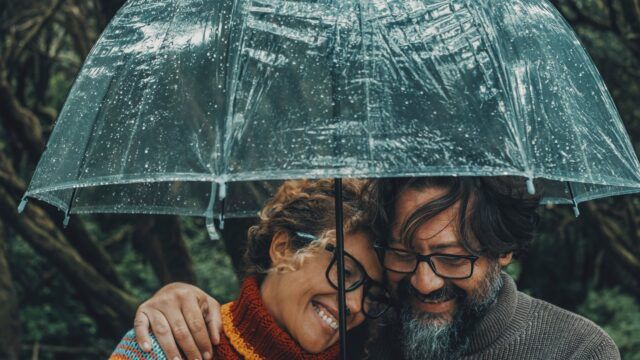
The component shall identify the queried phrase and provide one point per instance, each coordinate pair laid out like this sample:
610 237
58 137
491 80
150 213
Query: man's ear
279 247
505 259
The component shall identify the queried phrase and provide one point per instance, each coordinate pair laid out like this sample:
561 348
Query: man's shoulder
569 331
549 313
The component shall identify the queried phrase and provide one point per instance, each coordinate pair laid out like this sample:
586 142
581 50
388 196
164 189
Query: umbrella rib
84 153
576 211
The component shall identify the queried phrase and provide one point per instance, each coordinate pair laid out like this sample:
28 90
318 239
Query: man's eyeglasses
444 265
376 300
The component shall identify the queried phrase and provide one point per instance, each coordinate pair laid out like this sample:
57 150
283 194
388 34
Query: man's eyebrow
445 246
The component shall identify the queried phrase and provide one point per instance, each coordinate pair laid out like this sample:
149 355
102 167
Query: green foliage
50 310
514 269
619 315
58 88
212 264
52 313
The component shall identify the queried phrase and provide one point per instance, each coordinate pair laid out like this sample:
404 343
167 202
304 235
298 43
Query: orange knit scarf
250 332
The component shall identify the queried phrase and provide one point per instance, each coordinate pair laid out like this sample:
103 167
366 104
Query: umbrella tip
530 188
222 194
23 204
211 229
213 233
65 222
576 211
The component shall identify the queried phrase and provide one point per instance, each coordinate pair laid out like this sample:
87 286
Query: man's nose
425 280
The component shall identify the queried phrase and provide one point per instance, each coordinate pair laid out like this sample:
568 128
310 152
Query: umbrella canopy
180 95
177 95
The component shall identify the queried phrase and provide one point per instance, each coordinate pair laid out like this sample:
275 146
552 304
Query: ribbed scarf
250 332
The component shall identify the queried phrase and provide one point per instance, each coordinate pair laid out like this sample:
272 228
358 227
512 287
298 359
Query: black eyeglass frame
366 281
381 250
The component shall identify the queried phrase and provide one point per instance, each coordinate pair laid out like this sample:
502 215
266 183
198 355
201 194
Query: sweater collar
502 320
259 331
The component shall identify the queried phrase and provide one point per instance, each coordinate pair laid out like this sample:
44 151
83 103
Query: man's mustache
447 292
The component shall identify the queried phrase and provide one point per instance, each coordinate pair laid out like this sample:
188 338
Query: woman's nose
354 301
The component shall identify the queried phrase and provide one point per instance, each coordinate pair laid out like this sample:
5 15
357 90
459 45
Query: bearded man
443 242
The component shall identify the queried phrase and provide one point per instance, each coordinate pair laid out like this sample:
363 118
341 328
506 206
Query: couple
437 244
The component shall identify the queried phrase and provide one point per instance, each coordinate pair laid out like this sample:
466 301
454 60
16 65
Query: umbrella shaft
342 319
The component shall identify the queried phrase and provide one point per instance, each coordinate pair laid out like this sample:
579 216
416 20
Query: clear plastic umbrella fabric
179 94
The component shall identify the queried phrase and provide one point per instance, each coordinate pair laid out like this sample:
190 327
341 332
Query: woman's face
305 304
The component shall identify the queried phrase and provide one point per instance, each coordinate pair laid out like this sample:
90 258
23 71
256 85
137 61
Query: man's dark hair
496 211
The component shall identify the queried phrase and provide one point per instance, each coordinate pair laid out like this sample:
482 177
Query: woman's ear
279 248
505 259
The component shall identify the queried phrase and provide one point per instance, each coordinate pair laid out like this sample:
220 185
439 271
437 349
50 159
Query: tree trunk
234 237
91 250
159 239
116 305
76 233
9 315
108 10
614 235
20 122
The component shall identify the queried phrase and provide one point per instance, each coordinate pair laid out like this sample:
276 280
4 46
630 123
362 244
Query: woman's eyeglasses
376 299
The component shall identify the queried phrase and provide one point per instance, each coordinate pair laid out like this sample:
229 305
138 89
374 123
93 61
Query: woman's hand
183 314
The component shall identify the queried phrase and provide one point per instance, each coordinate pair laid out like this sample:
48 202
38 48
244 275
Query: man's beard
431 336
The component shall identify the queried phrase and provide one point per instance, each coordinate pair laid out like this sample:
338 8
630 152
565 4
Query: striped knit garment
129 349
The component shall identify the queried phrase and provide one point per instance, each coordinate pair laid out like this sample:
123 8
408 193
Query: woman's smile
326 316
304 301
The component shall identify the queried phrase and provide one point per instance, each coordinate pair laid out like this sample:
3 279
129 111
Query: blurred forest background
71 293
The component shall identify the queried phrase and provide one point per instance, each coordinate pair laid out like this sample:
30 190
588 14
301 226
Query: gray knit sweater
520 327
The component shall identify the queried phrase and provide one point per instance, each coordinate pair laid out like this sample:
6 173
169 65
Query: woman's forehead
360 246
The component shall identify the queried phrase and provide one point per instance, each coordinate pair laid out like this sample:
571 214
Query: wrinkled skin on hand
180 316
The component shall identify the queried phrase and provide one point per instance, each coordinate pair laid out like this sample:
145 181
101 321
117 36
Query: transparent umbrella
182 102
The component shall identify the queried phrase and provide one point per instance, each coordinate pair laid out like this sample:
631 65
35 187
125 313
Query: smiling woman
287 307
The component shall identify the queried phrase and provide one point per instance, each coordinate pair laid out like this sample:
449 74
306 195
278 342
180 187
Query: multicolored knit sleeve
128 349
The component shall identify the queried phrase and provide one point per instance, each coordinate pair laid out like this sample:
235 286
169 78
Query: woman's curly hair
306 206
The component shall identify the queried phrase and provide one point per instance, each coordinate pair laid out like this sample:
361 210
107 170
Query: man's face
430 303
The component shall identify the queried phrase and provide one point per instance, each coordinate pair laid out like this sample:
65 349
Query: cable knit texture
249 332
520 327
